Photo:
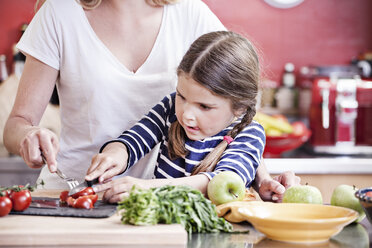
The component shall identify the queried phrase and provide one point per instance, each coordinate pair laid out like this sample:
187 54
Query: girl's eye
205 107
180 96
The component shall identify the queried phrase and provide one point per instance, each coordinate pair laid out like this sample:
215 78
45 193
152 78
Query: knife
82 186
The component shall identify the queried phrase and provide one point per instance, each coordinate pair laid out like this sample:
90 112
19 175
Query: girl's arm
118 154
118 188
22 135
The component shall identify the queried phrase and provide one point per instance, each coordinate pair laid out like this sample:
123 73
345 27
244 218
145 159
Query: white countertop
337 165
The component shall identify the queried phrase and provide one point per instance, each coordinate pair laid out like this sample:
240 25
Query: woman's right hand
111 162
39 140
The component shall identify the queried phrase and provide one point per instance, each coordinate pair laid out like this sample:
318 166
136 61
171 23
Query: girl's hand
111 162
273 190
119 188
39 140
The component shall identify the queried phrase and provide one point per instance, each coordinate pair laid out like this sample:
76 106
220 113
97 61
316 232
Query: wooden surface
21 230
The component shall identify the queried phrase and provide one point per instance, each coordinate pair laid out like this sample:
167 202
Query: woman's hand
119 188
273 189
111 162
39 140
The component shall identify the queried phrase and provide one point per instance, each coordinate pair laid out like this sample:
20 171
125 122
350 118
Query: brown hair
227 64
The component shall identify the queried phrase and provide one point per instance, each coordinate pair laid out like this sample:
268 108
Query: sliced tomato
83 202
63 196
93 198
21 200
5 205
86 191
70 201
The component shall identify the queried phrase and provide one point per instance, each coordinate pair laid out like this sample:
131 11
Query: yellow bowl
297 222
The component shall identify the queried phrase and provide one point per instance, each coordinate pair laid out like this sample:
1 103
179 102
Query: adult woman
108 57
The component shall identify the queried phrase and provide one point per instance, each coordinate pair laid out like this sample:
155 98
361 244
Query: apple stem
236 196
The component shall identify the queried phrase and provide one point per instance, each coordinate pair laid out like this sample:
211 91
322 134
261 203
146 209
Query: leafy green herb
172 204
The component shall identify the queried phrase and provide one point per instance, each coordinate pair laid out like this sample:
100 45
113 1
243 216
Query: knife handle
90 183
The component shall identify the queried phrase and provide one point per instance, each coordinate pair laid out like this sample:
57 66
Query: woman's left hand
273 189
120 187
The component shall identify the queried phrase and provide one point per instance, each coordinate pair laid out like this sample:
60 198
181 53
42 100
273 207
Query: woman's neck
130 9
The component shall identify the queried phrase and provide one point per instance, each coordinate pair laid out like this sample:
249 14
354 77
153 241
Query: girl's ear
239 112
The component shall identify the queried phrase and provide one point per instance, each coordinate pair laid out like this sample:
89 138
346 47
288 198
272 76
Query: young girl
205 127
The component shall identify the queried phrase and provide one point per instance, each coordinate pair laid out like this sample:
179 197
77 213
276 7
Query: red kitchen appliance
341 115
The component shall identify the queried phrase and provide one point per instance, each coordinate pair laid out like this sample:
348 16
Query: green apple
343 196
303 194
226 186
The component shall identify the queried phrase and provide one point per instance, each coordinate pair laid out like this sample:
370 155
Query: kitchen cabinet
14 171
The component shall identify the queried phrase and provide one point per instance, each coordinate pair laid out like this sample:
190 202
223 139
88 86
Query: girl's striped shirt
242 156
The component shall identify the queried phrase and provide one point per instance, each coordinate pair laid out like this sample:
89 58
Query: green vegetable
172 204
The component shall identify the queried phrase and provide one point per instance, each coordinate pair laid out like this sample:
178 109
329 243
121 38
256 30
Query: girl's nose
188 114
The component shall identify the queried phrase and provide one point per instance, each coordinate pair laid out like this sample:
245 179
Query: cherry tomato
83 202
21 199
83 199
63 196
5 205
86 191
93 198
6 192
70 201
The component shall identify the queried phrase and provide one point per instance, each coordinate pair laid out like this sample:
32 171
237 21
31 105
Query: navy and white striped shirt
242 156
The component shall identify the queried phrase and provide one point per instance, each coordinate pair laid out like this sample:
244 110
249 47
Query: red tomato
5 205
21 199
63 196
6 192
83 202
70 201
369 194
93 198
299 128
86 191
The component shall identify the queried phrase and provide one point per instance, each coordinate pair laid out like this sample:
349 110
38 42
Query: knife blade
82 186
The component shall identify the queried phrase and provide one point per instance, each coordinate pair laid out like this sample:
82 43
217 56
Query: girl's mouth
192 129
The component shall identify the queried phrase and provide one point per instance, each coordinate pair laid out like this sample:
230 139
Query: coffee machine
340 115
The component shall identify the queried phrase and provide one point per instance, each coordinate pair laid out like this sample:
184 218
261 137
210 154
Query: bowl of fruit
365 198
281 135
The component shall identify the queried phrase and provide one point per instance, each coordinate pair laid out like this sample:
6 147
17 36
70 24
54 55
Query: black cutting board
101 209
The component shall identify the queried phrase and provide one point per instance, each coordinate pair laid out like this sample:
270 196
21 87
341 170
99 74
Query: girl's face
201 113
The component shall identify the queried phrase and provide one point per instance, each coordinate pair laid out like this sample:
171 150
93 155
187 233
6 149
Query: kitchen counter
320 165
21 231
323 172
352 236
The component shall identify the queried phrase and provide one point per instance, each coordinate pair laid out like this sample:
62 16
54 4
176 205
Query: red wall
316 32
13 13
320 32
